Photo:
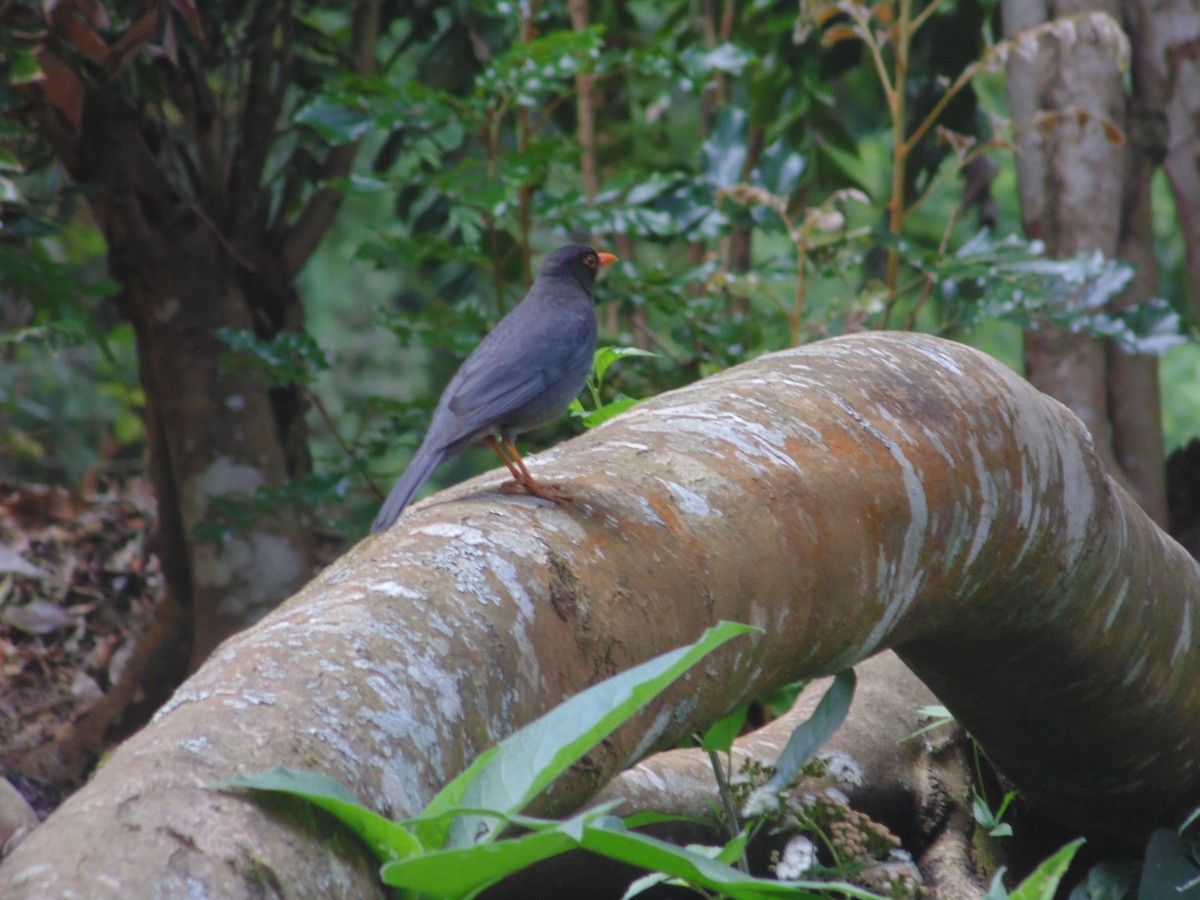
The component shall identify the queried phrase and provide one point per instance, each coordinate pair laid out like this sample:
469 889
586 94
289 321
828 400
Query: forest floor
79 581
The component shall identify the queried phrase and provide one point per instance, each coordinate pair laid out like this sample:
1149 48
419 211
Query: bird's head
577 262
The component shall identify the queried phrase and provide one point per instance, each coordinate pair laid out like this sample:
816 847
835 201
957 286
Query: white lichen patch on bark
1184 642
753 442
250 569
222 478
689 501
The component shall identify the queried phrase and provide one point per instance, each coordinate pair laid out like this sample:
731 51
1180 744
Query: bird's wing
490 386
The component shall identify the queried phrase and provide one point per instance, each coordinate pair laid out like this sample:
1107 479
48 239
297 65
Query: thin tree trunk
1134 395
1166 70
1068 104
873 491
199 240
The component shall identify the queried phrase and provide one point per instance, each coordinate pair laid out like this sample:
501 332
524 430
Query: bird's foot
552 492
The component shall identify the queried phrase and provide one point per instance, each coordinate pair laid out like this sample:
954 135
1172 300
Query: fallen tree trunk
879 490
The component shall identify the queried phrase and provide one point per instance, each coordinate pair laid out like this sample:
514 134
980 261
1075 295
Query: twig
727 801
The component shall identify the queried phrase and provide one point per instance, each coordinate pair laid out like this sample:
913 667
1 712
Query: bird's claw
552 492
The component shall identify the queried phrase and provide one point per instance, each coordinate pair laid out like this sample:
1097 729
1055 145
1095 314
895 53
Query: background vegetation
473 165
768 173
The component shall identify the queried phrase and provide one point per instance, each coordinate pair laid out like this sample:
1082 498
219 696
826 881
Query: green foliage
291 357
809 736
472 833
720 735
1170 867
601 410
1044 880
769 127
1012 280
989 820
938 714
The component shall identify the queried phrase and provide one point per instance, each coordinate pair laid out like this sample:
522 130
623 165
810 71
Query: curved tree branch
873 491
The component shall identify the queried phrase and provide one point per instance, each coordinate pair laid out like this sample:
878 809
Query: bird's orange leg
517 474
507 451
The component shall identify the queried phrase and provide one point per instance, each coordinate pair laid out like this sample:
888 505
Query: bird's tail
418 471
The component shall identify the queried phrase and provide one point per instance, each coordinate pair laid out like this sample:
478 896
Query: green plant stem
727 802
799 238
315 399
809 824
911 319
923 16
863 22
523 133
935 183
963 79
900 149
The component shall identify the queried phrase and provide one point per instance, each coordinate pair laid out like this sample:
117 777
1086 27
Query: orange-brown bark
879 490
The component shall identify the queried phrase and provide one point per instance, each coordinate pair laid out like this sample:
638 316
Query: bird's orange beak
605 259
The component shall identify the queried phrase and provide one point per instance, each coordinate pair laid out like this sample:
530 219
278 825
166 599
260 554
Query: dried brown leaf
838 33
38 617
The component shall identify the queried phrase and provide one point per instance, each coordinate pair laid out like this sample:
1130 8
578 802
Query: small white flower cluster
763 799
799 855
898 875
841 768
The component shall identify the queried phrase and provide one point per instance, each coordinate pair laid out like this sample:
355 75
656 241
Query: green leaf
1190 820
603 413
780 700
513 772
940 716
779 169
996 890
810 735
290 357
606 356
464 871
1152 327
991 820
388 840
609 837
1168 868
1042 884
723 155
727 57
1108 880
719 736
335 122
9 162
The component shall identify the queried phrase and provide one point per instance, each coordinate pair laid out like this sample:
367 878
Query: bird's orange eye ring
591 261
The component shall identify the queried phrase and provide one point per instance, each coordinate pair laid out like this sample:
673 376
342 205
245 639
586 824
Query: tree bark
917 786
1082 188
1166 71
874 491
200 237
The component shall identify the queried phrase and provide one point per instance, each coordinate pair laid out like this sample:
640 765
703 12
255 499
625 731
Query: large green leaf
1170 869
522 765
810 735
1042 883
465 871
723 155
387 839
609 837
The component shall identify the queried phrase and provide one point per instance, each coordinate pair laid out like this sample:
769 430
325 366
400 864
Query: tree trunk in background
1066 99
1166 71
1134 397
872 491
201 236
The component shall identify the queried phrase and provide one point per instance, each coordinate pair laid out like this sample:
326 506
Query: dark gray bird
523 374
